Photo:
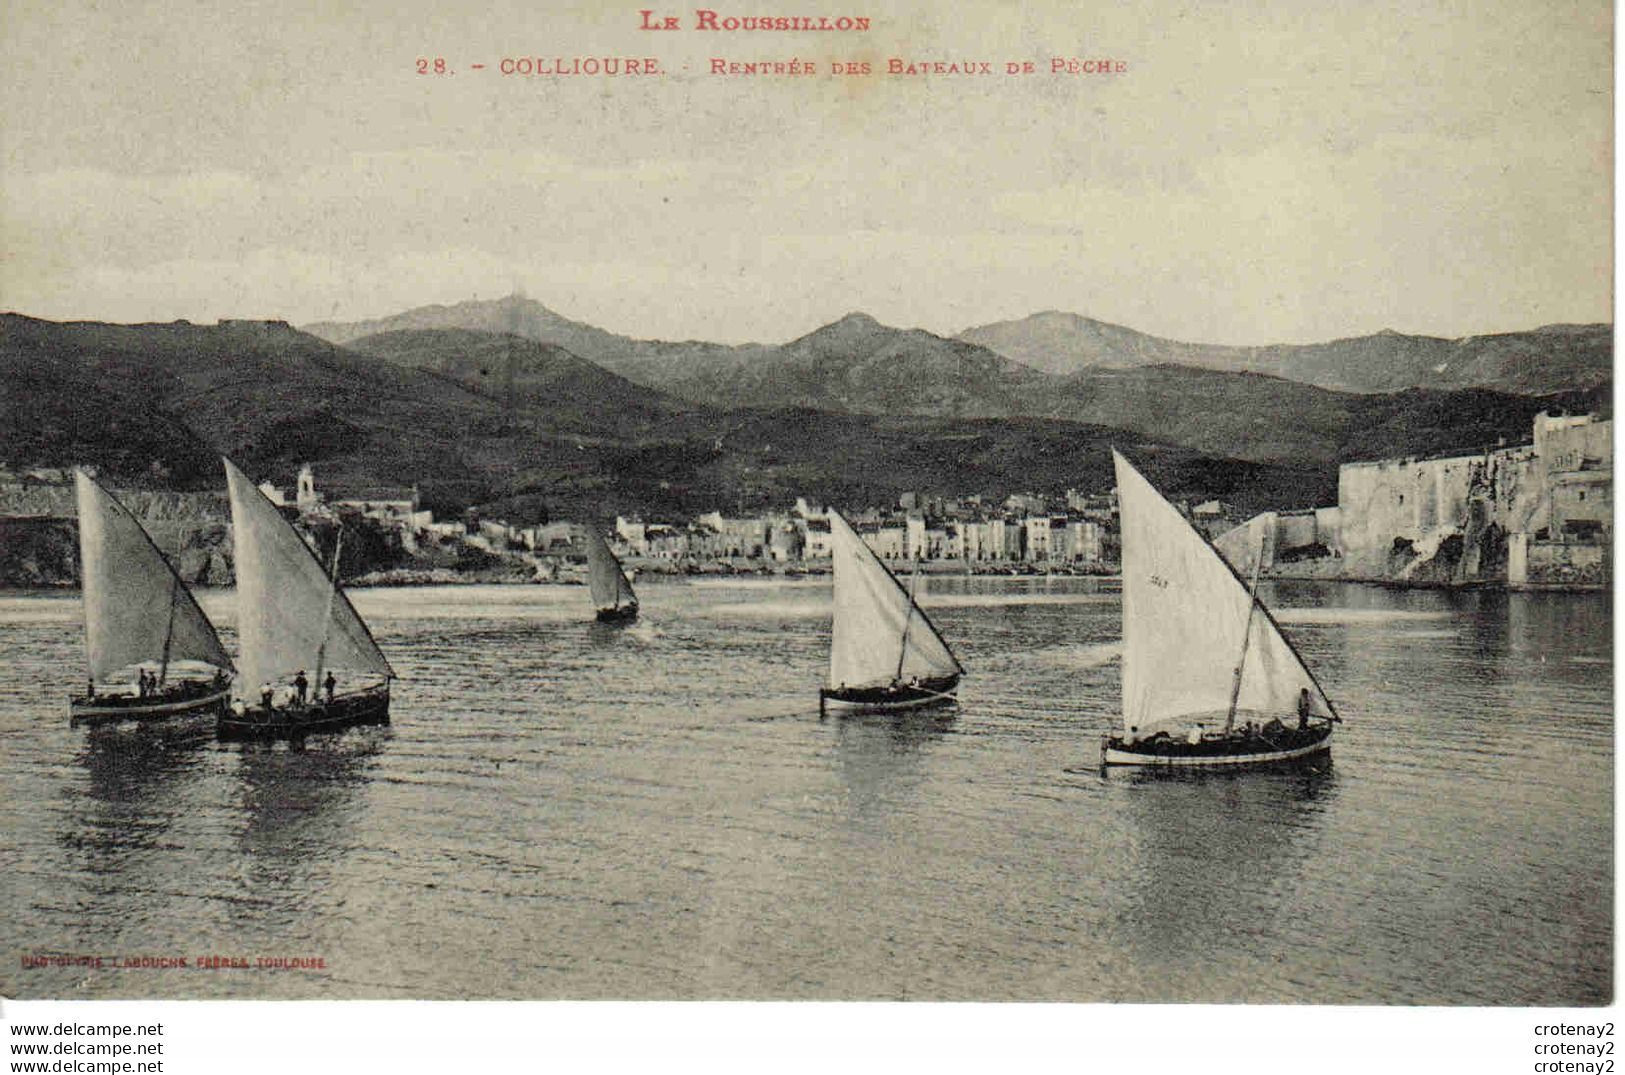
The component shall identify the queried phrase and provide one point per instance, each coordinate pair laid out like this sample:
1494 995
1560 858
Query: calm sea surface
562 809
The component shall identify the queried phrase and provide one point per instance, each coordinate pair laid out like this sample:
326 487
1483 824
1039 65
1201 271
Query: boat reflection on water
128 764
299 784
612 632
142 790
881 755
1220 868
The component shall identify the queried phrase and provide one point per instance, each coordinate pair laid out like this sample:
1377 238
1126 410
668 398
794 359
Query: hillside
478 419
274 398
1253 416
772 456
1241 403
516 372
855 365
516 315
1541 361
1554 358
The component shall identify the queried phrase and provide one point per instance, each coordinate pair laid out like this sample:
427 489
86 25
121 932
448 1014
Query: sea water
563 809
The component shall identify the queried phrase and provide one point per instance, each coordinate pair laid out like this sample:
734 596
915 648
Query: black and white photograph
1030 503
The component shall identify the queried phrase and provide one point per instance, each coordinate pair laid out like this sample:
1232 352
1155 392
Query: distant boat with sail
1209 679
612 595
884 651
153 653
292 616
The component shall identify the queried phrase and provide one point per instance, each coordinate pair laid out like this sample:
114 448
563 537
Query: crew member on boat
328 686
301 688
1305 708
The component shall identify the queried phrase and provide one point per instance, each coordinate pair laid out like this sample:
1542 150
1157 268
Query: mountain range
857 365
156 404
509 406
1542 361
1549 359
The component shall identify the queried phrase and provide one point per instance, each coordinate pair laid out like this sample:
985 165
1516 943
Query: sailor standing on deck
328 686
301 687
1305 707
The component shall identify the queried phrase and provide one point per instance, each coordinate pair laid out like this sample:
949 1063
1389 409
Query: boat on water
153 653
1209 678
293 616
612 595
884 651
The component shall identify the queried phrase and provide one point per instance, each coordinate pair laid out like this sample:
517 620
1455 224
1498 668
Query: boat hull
1288 748
344 711
893 696
111 710
624 614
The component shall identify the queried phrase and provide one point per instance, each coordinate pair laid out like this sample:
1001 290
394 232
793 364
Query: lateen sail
1184 614
134 600
288 608
610 589
879 634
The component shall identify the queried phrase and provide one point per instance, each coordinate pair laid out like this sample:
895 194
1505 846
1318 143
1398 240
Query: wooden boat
1209 679
293 615
140 617
884 651
612 595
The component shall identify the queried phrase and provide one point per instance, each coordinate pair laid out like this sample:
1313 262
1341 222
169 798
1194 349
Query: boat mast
902 650
169 628
169 634
1246 637
327 618
621 581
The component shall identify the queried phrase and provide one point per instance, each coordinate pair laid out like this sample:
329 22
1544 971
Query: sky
1260 172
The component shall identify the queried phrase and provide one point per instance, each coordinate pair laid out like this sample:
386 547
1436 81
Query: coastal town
1536 514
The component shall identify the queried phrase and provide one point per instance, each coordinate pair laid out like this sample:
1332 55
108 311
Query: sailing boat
292 615
1208 677
612 593
884 651
138 612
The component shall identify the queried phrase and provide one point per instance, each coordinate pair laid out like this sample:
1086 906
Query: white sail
1184 615
137 609
879 635
291 616
610 588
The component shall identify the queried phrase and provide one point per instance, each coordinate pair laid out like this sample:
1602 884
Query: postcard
1009 502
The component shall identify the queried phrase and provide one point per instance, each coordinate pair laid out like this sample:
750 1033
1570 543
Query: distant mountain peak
855 330
1063 315
1546 360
